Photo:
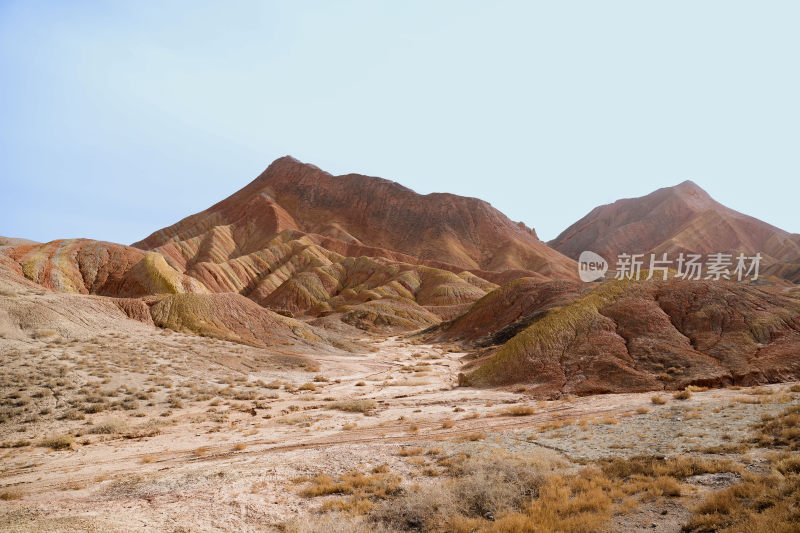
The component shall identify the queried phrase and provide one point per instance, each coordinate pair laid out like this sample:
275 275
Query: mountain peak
683 217
379 214
694 195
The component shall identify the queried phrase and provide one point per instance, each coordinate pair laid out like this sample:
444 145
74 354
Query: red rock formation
677 219
504 312
93 267
634 336
359 211
301 240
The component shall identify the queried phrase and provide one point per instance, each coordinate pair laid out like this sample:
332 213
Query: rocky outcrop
85 266
637 336
231 317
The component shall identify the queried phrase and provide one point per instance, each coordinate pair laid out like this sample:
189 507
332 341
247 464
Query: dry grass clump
355 405
202 451
768 502
110 426
478 487
658 400
685 394
502 493
410 451
555 424
675 467
8 495
447 424
761 502
518 410
333 522
58 442
782 430
307 386
721 449
607 420
361 490
150 428
584 501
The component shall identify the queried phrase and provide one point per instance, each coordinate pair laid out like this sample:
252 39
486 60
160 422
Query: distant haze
119 118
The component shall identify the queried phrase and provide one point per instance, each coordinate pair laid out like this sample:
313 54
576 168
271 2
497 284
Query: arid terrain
325 353
136 430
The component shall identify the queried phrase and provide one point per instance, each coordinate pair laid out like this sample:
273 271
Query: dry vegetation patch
761 502
355 405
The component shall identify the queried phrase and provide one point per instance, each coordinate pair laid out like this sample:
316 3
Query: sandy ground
237 426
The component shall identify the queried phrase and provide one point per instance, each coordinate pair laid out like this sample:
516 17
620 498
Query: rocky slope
357 215
300 260
683 218
631 336
302 242
85 266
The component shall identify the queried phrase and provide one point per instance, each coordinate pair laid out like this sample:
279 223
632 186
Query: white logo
591 266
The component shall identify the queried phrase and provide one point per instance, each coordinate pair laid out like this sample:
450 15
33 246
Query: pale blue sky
118 118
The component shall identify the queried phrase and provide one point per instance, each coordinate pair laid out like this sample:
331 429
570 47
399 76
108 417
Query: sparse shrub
110 426
410 451
767 502
150 428
685 394
8 495
519 410
608 420
780 431
174 402
356 405
658 400
58 442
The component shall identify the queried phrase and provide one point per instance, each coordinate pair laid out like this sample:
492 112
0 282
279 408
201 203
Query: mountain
683 218
299 261
357 215
299 241
628 336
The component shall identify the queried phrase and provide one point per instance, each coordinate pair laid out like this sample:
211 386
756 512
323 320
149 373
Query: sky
119 118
